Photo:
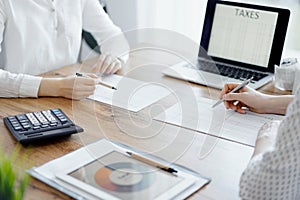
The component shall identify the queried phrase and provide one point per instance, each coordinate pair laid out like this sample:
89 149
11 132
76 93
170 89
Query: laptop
239 41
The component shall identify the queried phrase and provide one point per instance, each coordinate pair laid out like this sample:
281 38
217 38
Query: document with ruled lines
218 121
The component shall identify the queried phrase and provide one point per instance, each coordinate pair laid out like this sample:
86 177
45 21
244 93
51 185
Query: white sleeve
15 85
18 85
276 174
108 35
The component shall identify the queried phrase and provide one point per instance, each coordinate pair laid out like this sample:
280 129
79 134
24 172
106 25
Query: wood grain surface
221 160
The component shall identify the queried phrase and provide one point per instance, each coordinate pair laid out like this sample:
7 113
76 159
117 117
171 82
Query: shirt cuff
30 86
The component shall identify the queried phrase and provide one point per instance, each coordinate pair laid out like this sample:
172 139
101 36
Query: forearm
49 87
69 87
277 104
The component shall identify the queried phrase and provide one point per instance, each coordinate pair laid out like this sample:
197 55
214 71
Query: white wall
124 13
185 17
182 16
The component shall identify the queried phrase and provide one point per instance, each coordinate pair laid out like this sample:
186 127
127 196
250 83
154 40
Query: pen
243 84
152 163
99 82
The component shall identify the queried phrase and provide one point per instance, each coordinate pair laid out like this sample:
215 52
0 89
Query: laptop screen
242 34
245 35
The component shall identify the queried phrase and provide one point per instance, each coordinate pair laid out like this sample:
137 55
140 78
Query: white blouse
37 36
276 174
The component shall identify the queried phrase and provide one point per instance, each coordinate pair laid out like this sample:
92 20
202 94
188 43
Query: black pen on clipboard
152 162
99 82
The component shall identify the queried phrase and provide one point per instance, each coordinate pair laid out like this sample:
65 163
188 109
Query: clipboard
103 170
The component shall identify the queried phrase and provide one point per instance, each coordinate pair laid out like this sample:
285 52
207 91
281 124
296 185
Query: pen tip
129 153
114 88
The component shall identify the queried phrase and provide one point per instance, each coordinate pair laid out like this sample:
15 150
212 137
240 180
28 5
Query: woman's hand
253 100
266 138
71 87
244 98
107 64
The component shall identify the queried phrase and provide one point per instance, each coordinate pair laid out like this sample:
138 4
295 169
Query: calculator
37 126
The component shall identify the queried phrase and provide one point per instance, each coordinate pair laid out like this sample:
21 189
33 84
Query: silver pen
237 88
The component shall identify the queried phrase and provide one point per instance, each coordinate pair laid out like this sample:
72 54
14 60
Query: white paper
218 121
132 95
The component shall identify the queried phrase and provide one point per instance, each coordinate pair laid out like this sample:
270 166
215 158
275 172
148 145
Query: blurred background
186 17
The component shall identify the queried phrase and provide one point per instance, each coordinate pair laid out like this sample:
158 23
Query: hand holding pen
99 82
245 96
235 89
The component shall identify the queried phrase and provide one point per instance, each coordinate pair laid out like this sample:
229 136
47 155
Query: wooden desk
219 159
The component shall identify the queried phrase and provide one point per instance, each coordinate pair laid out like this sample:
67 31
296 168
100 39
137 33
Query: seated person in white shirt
274 170
38 36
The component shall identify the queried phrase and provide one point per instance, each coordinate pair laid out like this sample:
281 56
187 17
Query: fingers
114 68
236 106
92 75
107 64
227 88
110 68
230 86
82 93
234 101
77 87
234 97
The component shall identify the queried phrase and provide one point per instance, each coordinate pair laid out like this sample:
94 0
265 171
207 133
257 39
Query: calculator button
55 110
63 120
40 117
15 123
53 124
17 128
11 118
45 126
36 127
33 119
21 117
59 115
49 116
27 126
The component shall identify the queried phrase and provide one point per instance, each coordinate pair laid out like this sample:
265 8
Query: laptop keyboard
228 71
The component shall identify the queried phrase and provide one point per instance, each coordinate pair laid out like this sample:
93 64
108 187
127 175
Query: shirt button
52 10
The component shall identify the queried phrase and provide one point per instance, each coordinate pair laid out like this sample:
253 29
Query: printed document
218 121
